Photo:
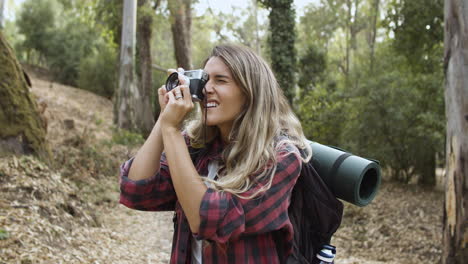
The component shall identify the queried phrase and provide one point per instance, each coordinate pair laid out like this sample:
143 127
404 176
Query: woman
231 193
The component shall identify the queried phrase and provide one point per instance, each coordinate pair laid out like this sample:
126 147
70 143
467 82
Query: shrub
98 71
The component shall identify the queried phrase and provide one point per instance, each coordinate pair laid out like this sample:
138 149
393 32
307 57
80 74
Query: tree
128 93
281 42
379 106
23 131
318 25
144 112
36 21
67 46
311 68
254 17
455 219
418 30
181 26
109 12
373 33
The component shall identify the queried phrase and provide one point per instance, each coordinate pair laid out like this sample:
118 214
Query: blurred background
364 75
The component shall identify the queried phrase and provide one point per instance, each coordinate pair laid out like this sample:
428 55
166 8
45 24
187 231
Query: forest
382 79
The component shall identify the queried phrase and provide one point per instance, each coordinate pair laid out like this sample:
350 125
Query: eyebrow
221 76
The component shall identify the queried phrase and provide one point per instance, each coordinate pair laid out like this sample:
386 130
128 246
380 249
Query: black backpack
315 214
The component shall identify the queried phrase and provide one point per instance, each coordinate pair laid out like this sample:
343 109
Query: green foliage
36 21
379 96
418 30
311 68
393 111
109 13
281 41
318 25
201 31
4 234
69 45
127 138
13 36
322 115
397 121
76 46
98 71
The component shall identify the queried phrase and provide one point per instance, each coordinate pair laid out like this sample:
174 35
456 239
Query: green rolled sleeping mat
351 178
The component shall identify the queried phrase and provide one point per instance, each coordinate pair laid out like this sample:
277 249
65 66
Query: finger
162 97
171 98
181 70
166 99
182 80
178 93
186 92
171 71
162 90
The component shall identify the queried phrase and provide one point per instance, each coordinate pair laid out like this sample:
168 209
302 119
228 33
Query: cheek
238 105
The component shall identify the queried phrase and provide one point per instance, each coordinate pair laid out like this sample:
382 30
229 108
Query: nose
208 88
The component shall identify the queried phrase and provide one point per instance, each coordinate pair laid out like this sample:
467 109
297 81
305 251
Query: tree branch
158 68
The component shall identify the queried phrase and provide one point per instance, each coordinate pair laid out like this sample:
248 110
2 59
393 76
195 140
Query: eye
221 81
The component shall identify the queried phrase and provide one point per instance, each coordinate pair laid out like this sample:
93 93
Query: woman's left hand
178 105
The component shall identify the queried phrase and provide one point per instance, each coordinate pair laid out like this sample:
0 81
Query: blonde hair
264 125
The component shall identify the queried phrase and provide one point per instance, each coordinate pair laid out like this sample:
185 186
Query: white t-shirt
197 244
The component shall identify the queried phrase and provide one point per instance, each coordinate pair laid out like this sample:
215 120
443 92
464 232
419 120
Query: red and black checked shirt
233 230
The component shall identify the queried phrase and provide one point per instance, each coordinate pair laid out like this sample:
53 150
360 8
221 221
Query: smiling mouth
211 105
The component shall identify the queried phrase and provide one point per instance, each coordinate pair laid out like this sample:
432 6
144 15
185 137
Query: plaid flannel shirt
233 230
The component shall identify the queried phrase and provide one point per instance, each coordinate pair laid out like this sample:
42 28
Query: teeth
211 104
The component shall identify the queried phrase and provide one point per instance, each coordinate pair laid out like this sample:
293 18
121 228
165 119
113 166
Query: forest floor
68 211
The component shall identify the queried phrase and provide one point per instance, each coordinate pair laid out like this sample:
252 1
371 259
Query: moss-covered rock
21 129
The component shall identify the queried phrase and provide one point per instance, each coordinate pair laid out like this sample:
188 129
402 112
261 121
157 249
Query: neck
225 131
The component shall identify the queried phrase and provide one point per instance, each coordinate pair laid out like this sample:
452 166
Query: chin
211 123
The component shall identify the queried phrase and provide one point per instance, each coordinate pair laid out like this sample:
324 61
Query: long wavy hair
264 125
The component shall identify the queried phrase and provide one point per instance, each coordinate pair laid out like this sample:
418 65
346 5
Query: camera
196 80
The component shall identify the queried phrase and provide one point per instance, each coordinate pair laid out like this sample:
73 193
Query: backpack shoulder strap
315 214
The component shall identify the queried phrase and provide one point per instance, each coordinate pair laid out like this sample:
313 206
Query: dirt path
143 237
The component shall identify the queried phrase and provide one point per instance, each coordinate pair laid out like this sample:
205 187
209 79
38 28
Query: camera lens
172 81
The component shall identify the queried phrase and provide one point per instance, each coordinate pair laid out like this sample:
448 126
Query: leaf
4 234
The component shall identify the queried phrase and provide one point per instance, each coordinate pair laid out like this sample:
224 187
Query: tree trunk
373 33
455 218
348 39
181 24
144 110
426 168
281 41
22 130
257 31
128 94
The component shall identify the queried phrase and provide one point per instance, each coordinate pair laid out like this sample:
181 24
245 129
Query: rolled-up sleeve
225 216
153 194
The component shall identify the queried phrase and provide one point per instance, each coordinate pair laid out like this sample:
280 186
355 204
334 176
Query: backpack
314 211
315 214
